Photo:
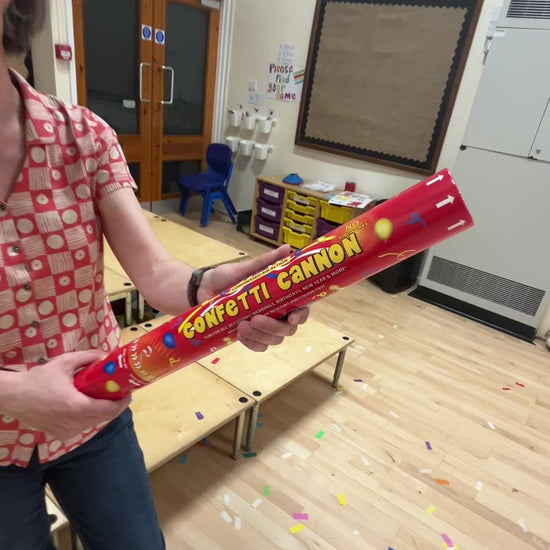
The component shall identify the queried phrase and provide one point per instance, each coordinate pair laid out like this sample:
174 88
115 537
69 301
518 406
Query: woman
64 184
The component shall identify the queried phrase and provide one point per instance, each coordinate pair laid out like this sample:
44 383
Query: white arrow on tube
436 179
449 200
456 225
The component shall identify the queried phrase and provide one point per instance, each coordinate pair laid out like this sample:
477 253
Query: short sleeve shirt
52 294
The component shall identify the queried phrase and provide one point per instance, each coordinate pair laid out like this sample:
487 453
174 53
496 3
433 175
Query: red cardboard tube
407 224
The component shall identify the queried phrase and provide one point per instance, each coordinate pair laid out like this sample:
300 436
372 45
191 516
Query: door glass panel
133 167
112 59
172 171
186 42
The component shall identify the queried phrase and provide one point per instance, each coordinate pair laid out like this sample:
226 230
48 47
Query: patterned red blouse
52 296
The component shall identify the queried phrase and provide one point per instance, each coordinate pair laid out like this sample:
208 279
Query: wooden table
119 287
262 375
59 521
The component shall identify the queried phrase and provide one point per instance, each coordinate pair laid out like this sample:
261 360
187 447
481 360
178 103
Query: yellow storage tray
300 228
295 240
297 217
335 213
302 200
307 210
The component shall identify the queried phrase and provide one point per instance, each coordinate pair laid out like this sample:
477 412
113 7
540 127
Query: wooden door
148 67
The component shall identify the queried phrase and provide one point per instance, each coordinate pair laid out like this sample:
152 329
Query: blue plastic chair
211 184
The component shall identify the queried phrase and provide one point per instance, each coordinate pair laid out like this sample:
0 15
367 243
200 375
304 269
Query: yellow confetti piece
342 499
430 510
296 528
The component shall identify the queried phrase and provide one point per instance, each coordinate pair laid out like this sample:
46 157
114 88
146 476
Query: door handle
171 71
141 98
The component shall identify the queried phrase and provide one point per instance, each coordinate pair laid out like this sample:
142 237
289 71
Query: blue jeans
102 487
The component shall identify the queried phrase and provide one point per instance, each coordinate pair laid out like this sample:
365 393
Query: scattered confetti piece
250 455
447 540
260 415
479 486
319 434
491 425
523 526
204 441
226 499
342 500
358 380
425 471
430 510
296 529
300 516
256 503
238 524
259 425
266 490
395 415
381 336
364 386
199 415
355 532
395 326
340 388
216 360
308 349
443 481
365 462
506 389
337 428
520 385
226 517
286 455
183 459
428 446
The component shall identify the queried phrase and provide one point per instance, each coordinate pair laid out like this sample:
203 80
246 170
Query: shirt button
15 249
27 287
3 207
41 361
35 324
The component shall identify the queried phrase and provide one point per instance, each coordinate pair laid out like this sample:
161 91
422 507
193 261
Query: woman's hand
261 331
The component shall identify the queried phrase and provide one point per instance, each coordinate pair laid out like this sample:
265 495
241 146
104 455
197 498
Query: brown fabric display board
381 78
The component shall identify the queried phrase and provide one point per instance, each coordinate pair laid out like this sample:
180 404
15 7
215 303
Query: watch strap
194 284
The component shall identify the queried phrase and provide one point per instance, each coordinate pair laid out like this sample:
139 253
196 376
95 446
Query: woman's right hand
46 399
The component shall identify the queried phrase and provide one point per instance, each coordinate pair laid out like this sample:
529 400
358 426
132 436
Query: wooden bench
58 520
260 376
174 413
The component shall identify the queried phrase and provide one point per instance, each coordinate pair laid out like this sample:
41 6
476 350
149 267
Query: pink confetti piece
506 389
300 516
520 385
447 540
214 361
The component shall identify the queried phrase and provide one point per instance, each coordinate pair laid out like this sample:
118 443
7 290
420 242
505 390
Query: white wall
51 75
258 28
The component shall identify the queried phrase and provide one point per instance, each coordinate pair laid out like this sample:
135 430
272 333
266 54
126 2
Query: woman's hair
22 19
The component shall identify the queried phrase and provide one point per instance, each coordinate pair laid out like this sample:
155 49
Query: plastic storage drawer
300 208
302 200
296 240
269 211
324 227
298 227
266 228
271 193
335 213
297 217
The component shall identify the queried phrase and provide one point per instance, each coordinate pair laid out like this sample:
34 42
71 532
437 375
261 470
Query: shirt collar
38 112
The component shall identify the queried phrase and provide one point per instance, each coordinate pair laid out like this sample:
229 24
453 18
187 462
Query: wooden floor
440 436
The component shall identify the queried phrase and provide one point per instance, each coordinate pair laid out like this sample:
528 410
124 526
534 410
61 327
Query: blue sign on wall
146 32
160 36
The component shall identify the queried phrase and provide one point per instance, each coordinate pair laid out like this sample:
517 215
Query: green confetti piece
266 490
250 455
319 434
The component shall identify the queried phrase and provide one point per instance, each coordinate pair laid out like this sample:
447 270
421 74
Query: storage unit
286 213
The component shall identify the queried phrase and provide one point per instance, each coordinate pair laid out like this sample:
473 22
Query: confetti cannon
395 230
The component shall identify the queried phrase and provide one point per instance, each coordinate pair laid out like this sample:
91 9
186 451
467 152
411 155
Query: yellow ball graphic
383 229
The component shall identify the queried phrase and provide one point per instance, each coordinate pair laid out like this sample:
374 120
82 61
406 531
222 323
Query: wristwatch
194 284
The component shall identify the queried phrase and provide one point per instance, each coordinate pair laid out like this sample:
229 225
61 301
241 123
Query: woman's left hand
260 331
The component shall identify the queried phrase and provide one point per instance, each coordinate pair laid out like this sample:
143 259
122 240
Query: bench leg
128 309
338 369
238 436
141 307
74 540
254 411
